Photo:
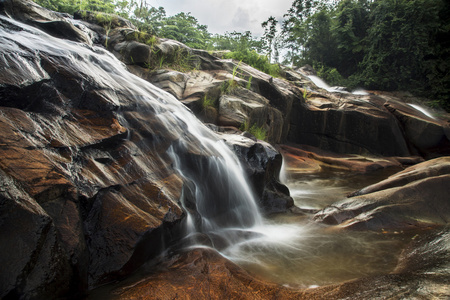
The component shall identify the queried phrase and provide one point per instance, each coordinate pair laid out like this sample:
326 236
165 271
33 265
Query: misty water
287 249
295 251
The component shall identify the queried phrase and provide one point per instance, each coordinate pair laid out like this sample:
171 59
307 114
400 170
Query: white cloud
228 15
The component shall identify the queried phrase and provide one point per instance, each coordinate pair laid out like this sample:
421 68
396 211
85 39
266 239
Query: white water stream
224 201
320 83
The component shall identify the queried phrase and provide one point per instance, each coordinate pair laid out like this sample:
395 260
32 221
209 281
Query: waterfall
422 110
212 172
320 83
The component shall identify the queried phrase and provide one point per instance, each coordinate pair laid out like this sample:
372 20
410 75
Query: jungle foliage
382 44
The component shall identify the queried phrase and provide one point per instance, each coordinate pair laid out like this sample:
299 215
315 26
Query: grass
306 94
257 61
249 83
257 131
228 86
208 102
180 60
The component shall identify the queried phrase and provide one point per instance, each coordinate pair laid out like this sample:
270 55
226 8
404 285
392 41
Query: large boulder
415 198
262 163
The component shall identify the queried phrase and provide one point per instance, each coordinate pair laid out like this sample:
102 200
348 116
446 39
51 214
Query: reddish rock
307 159
200 274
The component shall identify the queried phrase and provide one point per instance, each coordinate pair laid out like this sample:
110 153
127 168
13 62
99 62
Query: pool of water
295 251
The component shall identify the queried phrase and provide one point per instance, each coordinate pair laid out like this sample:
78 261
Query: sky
227 15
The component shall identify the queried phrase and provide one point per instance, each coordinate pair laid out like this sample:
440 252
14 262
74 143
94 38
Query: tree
150 19
236 41
350 31
268 38
399 36
185 28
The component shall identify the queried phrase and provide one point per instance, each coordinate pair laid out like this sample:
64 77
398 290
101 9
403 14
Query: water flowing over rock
97 164
101 171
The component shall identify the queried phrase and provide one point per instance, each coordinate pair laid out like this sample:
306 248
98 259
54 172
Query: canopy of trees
382 44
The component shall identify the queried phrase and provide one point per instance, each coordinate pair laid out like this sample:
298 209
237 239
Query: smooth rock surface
414 199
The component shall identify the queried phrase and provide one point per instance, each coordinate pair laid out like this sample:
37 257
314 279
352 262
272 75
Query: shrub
258 132
252 58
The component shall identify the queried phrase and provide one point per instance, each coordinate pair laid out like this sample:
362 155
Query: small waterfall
320 83
283 177
222 196
422 110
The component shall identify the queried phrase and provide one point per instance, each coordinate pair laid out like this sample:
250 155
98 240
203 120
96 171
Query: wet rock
307 159
115 224
53 23
424 170
171 81
424 132
422 273
416 198
262 164
34 264
85 172
372 124
199 274
342 125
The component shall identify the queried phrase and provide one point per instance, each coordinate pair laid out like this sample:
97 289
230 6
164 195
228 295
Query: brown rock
200 274
416 198
307 159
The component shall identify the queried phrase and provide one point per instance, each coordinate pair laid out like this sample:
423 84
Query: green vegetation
208 102
71 6
384 44
306 94
249 83
257 131
179 60
229 85
257 61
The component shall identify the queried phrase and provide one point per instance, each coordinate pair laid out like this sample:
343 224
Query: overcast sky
228 15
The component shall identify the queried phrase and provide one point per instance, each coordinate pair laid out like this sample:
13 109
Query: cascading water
320 83
223 198
422 110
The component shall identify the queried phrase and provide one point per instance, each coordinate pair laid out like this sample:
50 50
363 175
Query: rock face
263 164
87 160
76 173
415 198
364 124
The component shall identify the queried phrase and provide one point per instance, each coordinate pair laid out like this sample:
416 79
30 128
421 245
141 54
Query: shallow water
295 251
315 191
